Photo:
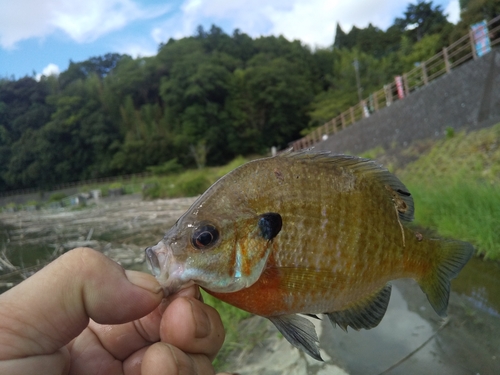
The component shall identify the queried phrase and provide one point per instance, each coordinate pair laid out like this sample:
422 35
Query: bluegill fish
306 233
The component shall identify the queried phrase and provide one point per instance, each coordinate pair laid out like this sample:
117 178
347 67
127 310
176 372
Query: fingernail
202 321
144 281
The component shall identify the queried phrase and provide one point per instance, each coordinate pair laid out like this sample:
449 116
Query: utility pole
360 89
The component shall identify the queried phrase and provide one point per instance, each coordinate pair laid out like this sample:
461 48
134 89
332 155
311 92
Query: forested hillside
203 99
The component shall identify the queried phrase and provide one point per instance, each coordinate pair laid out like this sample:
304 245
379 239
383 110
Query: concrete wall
466 98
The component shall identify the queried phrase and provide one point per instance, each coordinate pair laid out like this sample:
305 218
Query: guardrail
464 49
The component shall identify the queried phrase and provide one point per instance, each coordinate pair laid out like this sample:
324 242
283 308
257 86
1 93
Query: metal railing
450 57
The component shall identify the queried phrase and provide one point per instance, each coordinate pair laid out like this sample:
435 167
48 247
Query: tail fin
453 255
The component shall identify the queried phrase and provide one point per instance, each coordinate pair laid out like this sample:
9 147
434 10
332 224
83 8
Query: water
412 339
479 283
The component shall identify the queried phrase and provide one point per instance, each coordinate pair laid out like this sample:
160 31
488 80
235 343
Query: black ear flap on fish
270 225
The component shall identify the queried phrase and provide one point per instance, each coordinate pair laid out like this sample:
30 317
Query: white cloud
250 17
139 49
83 21
314 21
311 21
49 70
453 11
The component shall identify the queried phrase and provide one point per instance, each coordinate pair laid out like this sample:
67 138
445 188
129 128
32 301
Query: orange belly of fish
265 297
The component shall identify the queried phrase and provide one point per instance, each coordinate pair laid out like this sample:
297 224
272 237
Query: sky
43 36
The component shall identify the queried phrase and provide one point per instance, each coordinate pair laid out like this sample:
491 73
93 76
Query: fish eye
204 237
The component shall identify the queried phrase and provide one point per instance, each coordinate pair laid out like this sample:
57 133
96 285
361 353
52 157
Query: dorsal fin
365 314
396 190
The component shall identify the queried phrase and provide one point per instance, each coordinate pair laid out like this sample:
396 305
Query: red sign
399 87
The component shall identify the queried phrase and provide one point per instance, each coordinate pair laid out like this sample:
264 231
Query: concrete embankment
468 98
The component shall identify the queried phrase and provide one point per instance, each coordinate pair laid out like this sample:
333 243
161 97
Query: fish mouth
168 271
153 262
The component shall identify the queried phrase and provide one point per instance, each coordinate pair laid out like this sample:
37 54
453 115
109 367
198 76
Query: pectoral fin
300 332
365 314
313 316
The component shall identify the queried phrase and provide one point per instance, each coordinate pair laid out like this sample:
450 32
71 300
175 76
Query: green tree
478 10
23 108
342 91
370 40
99 65
269 104
421 19
71 146
194 93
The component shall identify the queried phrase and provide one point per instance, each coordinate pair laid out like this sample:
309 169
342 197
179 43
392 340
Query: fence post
388 95
472 46
352 115
424 73
446 60
406 85
343 120
375 102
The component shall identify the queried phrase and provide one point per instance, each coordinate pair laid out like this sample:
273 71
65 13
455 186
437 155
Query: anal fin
365 314
300 332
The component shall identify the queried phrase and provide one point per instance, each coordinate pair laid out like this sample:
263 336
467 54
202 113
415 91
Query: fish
306 233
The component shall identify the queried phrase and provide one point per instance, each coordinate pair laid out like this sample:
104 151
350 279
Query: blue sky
42 36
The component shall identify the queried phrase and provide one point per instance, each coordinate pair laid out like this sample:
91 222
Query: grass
188 183
464 209
167 182
230 316
456 188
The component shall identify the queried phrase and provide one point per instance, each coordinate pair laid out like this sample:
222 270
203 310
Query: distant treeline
203 99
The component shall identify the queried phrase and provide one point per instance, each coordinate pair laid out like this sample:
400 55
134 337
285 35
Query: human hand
84 314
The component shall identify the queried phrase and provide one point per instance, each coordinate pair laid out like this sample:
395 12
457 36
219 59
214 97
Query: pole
360 90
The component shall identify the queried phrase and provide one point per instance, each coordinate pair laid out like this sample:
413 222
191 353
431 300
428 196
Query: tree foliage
203 99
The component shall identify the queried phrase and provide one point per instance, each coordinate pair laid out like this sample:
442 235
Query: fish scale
306 233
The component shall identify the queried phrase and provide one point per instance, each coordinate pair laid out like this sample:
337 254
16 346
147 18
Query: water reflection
412 339
374 351
479 283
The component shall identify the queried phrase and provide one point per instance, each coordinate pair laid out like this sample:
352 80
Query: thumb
46 311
